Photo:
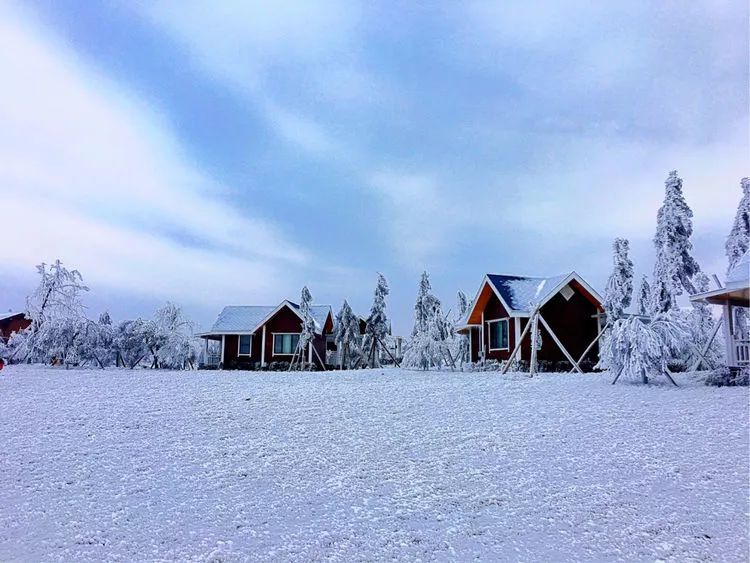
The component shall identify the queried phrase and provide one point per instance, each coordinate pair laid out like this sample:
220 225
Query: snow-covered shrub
727 377
641 349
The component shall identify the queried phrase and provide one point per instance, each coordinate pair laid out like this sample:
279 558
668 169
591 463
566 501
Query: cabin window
245 340
498 334
285 344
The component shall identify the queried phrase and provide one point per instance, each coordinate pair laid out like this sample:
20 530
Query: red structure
505 304
12 322
253 336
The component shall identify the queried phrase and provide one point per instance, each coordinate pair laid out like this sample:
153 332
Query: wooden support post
322 363
667 373
395 362
263 348
590 346
483 353
223 344
619 373
534 332
559 344
702 354
516 349
728 336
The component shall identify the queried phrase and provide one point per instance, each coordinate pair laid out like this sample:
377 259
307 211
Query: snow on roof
246 318
9 315
741 271
522 293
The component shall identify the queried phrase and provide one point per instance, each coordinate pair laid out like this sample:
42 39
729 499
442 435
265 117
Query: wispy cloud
93 175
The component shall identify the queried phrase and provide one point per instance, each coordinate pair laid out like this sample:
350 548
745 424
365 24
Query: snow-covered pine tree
738 240
460 342
675 266
377 324
346 335
619 291
702 323
644 297
308 326
425 349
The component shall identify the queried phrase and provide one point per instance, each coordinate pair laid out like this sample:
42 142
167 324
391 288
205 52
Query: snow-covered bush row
61 333
727 377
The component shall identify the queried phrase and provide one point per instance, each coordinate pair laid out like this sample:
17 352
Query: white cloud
94 177
417 214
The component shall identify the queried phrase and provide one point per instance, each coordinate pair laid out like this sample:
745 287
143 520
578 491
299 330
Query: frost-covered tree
701 323
347 337
641 349
675 266
427 346
738 240
104 348
619 291
170 338
97 342
130 342
57 316
308 326
377 324
459 343
644 297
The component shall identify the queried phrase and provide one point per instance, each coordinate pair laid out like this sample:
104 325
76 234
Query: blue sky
231 153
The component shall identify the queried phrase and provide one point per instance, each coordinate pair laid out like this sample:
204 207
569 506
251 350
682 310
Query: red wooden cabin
12 322
255 335
504 304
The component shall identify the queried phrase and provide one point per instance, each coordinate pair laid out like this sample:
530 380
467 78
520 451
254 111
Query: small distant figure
2 364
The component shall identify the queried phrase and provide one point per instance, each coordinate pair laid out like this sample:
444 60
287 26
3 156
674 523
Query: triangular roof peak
521 295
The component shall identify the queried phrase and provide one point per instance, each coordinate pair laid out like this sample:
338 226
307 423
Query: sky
230 153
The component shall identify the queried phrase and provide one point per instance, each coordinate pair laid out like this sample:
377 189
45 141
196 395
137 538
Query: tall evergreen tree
427 347
461 341
346 335
377 327
619 292
644 297
308 325
675 266
738 240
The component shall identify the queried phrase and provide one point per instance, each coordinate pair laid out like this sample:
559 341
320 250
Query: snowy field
140 465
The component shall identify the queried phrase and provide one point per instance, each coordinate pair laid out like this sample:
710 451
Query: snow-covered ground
141 465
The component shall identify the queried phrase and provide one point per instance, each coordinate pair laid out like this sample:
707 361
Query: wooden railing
742 351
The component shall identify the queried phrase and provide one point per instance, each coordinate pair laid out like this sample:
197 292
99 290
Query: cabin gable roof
247 319
521 295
